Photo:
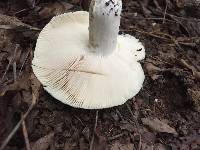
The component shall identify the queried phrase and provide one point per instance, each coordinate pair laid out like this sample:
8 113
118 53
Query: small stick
115 137
147 33
169 39
22 66
118 112
134 118
79 120
165 12
95 126
25 133
8 66
140 142
15 71
5 142
11 61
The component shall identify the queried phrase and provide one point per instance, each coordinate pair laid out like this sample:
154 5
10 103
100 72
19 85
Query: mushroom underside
77 77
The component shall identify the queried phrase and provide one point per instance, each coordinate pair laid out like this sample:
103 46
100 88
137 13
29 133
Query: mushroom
82 61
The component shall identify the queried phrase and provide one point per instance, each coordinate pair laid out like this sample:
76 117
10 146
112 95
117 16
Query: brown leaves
119 146
195 72
54 9
21 84
158 126
152 70
99 142
43 143
127 126
195 98
8 22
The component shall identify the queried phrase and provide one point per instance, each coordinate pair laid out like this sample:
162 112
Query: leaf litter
171 38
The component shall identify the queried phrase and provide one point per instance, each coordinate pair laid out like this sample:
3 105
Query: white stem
104 25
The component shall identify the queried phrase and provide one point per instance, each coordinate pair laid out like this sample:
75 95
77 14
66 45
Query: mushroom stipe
82 61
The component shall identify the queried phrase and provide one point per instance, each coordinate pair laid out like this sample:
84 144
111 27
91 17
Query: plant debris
158 126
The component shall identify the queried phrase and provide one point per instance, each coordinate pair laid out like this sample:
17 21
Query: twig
140 142
170 38
79 120
147 33
115 137
147 19
195 73
7 67
186 56
118 112
95 126
25 133
165 11
22 66
14 71
26 28
11 61
5 142
134 118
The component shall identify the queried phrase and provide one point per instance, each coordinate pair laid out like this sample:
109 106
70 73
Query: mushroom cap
77 77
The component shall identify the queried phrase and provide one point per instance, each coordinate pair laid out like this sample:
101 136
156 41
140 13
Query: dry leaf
99 142
197 75
192 68
160 146
119 146
152 70
8 22
35 85
21 84
54 9
158 126
194 96
127 126
43 143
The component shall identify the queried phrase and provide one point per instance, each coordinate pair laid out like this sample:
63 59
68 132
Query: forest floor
165 115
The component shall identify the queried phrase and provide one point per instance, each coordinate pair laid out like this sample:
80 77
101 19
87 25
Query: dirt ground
165 115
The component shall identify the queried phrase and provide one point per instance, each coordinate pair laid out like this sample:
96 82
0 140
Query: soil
164 115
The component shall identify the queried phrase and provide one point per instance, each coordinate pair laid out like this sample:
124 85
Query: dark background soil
164 115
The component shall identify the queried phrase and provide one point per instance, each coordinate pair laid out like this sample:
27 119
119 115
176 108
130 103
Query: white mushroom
89 69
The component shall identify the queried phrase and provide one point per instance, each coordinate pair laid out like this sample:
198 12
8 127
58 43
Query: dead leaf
158 126
119 146
148 137
191 68
86 133
35 85
152 70
54 9
27 96
187 3
160 146
69 144
8 22
43 143
194 96
21 84
197 75
127 126
99 142
146 147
